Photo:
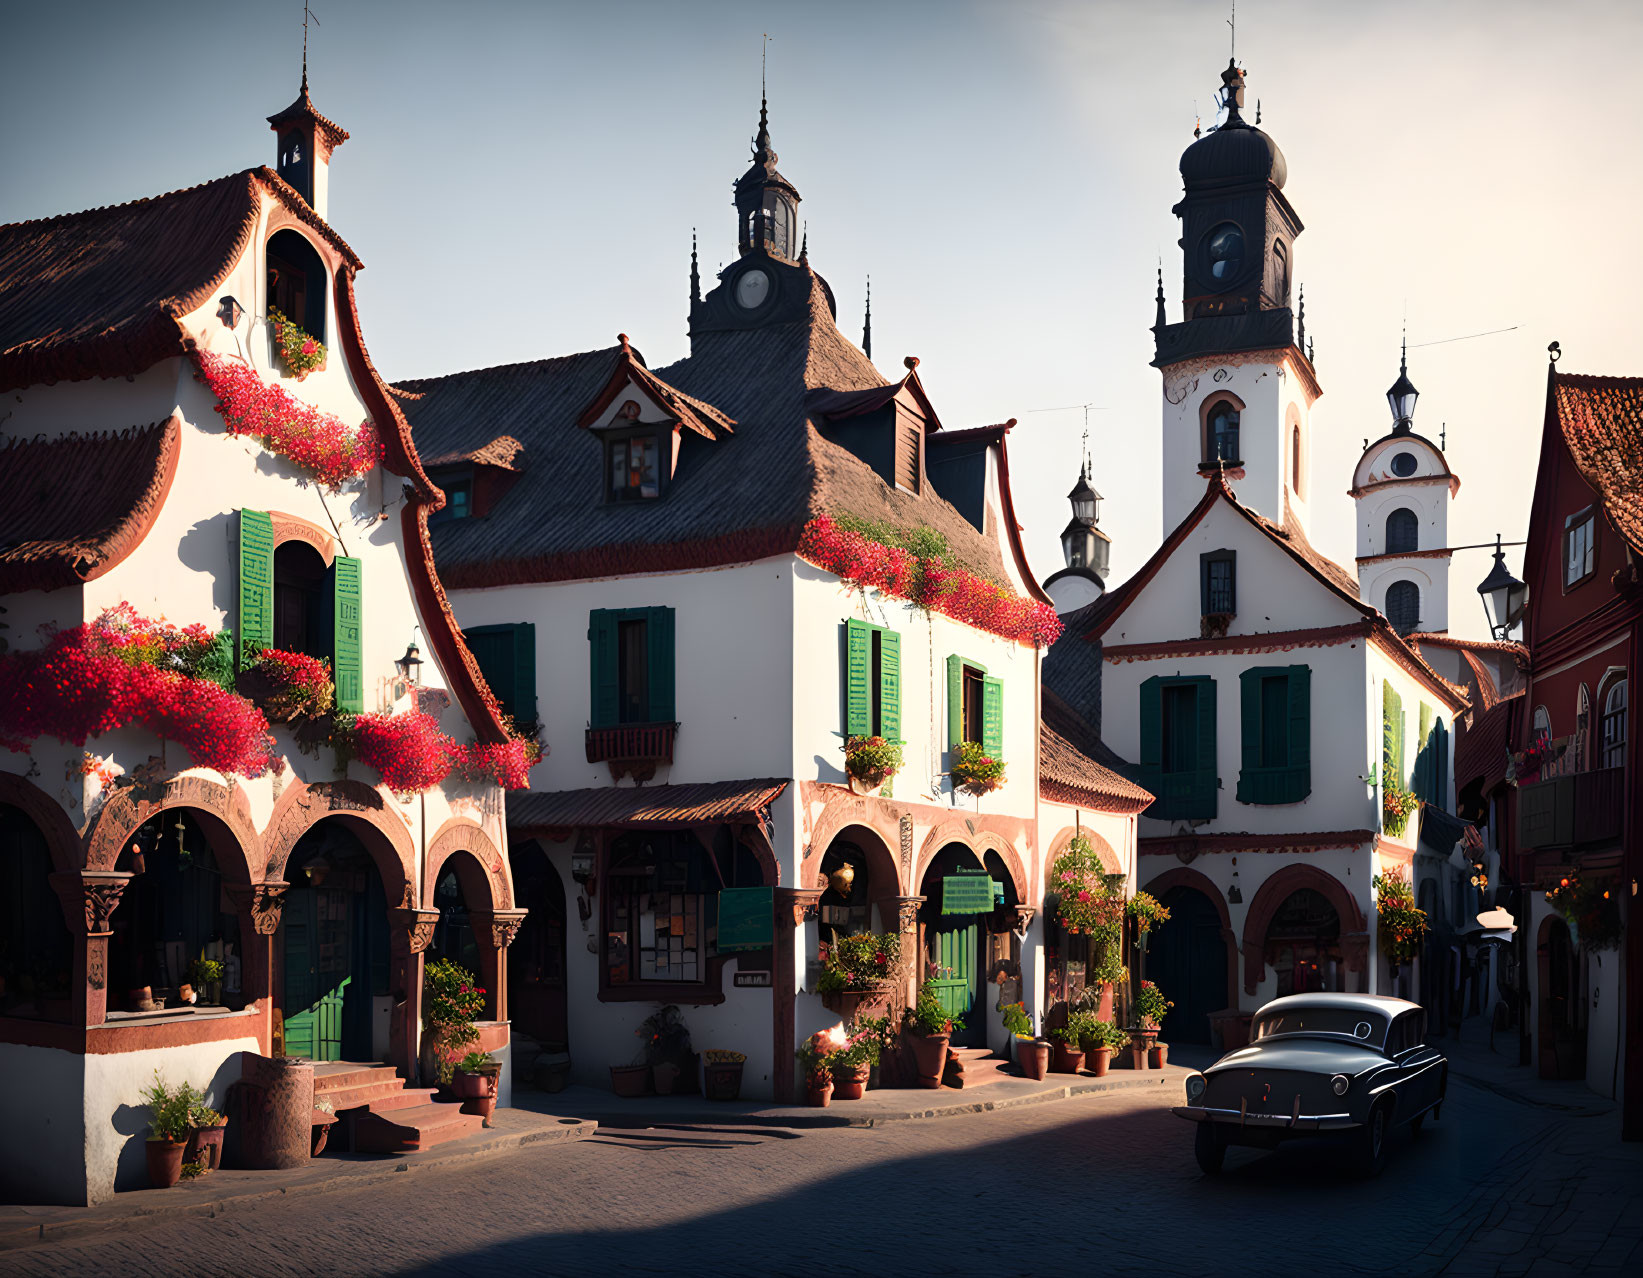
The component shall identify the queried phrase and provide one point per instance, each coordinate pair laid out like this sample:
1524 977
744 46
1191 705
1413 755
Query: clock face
752 289
1225 251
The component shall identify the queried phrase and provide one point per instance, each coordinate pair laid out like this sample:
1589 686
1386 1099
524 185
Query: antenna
1233 23
306 14
763 53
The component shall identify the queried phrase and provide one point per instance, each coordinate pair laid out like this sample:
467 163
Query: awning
1441 830
650 806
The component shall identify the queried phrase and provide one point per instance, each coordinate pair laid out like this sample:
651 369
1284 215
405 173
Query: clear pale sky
522 181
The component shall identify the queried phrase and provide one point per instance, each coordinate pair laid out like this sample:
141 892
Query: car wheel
1372 1141
1209 1149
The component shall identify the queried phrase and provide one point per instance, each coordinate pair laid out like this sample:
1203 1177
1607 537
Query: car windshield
1366 1027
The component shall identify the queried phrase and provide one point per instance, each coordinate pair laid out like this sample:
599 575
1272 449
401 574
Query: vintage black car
1354 1064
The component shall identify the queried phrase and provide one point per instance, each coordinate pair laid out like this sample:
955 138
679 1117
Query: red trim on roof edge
1012 529
1076 797
1271 641
708 422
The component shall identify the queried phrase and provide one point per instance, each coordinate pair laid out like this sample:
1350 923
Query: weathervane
306 14
1233 23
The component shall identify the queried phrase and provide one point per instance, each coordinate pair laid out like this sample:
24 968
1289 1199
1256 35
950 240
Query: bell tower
1238 388
305 142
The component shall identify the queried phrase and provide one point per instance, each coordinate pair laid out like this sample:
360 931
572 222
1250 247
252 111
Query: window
1403 606
289 599
1614 725
1276 715
296 164
1542 724
1579 544
872 684
1224 248
975 706
296 282
1221 434
1403 465
1218 583
1402 531
635 473
507 658
632 666
302 613
1280 272
1178 746
458 499
1295 473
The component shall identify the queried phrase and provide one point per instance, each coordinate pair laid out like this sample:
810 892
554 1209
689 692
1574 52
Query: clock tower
1238 388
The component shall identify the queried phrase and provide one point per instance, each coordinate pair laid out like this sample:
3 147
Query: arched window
1614 725
1402 531
302 600
1541 724
1221 434
1295 471
296 282
1583 729
1280 272
1403 606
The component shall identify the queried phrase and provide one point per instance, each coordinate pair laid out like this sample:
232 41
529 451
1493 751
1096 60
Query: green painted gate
317 960
957 938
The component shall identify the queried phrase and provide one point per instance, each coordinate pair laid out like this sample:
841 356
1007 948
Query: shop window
1402 531
1178 760
632 662
1276 719
36 948
975 706
507 658
634 468
1579 547
872 681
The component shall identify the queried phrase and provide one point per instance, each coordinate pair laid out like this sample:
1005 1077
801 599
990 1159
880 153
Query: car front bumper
1296 1122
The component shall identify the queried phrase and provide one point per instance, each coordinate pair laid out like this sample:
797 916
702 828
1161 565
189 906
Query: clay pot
929 1057
819 1090
165 1162
1103 1009
484 1106
1158 1056
466 1086
1097 1060
850 1004
630 1080
1033 1055
1067 1060
665 1075
205 1146
850 1081
722 1082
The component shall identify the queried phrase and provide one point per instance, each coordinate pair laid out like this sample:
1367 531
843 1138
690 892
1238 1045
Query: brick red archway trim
300 807
1104 851
1181 876
1272 894
841 812
226 813
456 836
979 842
62 840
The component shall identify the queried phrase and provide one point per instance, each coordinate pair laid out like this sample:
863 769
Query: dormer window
634 467
296 282
459 496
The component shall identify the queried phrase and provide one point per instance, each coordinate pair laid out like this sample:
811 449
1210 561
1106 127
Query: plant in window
1151 1006
452 999
1402 923
975 771
301 352
1591 909
864 961
872 760
299 686
1397 805
1147 911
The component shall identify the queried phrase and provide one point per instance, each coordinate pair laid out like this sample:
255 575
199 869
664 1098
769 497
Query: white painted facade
1425 489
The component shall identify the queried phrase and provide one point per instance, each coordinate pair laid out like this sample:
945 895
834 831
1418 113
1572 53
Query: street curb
345 1175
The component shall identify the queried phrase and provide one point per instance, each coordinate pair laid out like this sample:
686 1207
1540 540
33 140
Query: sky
523 179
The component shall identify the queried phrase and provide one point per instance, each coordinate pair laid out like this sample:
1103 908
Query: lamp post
1402 397
1503 595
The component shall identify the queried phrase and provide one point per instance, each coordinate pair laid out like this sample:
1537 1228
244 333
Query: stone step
413 1127
384 1094
331 1076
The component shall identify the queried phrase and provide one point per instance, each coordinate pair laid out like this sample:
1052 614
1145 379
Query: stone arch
1206 411
222 811
1111 862
840 812
884 875
979 842
1181 876
1278 888
360 807
62 840
482 872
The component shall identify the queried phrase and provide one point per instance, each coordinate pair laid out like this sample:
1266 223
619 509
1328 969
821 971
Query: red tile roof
1481 750
652 806
76 505
1067 775
1602 423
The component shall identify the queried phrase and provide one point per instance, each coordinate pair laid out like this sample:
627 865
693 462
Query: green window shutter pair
604 664
1270 715
256 608
862 693
507 657
1182 793
992 707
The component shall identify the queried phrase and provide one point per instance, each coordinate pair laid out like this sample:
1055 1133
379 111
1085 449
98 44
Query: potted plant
1402 923
474 1081
207 975
858 971
871 761
817 1056
631 1080
975 771
1019 1025
722 1074
1102 1040
300 352
169 1129
879 1035
929 1029
853 1066
1069 1048
1150 1008
667 1048
205 1140
452 1000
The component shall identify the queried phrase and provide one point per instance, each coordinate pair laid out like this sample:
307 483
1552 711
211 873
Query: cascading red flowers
412 754
508 763
124 670
316 442
301 685
929 582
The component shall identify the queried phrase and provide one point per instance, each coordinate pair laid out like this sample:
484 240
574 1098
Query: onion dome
1237 152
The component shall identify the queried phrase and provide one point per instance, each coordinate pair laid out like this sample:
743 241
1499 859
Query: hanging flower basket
1402 924
300 352
871 760
975 771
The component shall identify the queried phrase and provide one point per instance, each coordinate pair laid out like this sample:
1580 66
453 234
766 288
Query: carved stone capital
803 902
262 901
905 909
418 926
503 925
1023 919
89 896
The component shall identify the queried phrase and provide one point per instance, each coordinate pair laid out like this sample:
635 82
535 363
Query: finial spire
1302 319
695 274
1163 316
867 324
306 14
804 246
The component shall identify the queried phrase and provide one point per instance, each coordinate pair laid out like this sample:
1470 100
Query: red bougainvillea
123 670
929 582
301 684
316 442
412 753
508 764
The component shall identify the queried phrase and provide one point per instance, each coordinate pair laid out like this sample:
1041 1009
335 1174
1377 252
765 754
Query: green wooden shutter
659 655
1152 735
492 647
1300 734
955 701
1206 781
992 716
256 586
858 671
890 685
605 694
1249 718
347 634
524 674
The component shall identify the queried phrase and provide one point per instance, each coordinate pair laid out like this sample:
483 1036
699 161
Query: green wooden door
317 953
955 981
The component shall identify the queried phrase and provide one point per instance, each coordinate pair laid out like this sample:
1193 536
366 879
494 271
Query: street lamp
1503 595
1086 501
1402 397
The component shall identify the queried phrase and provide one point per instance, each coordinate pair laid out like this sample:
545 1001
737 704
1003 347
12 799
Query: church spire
767 204
695 273
305 139
1163 315
867 323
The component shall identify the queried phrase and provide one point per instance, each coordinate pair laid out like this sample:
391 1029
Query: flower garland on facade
1091 902
124 670
508 763
301 685
929 581
975 771
412 754
1591 909
301 352
1402 922
316 442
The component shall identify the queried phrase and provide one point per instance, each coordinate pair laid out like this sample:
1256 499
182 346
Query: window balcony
632 748
1573 810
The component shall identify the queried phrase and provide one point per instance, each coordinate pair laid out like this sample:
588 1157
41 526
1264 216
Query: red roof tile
1602 423
1481 750
77 505
654 806
1067 775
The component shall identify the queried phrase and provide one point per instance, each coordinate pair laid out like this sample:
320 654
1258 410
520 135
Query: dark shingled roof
1602 423
655 806
1481 749
77 505
742 496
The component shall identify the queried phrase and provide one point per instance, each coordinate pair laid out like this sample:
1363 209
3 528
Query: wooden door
317 931
1187 958
954 980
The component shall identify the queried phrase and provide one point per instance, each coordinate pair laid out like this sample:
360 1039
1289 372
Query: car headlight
1195 1088
1339 1084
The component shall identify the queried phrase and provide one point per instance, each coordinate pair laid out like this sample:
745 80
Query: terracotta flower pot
630 1080
1103 1009
819 1090
665 1075
850 1081
165 1162
722 1082
484 1106
1033 1055
1097 1059
205 1146
466 1086
930 1057
1068 1060
849 1004
1158 1056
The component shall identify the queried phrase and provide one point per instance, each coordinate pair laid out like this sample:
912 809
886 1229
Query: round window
1403 465
1225 249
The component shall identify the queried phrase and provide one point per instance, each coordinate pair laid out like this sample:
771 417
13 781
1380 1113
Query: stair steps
383 1116
413 1127
979 1067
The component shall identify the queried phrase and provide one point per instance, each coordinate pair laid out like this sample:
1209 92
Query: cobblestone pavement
1509 1183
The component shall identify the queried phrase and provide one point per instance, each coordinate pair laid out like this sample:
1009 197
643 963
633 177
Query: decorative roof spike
695 273
1163 316
1232 92
867 323
804 246
1302 319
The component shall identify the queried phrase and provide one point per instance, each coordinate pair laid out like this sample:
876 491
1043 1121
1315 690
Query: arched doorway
36 950
536 960
960 895
1303 944
169 917
1187 959
332 950
859 872
1562 1021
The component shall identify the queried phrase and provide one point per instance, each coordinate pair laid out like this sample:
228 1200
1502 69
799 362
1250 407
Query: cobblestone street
1513 1180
